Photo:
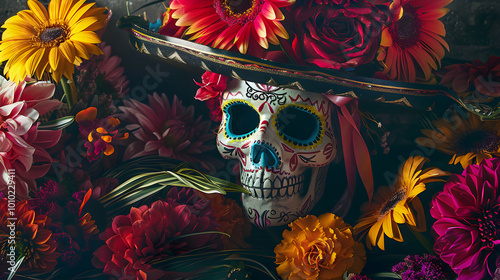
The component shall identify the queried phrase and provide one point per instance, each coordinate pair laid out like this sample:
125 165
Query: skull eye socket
242 119
298 126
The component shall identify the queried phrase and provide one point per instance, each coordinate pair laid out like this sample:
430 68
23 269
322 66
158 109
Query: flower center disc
238 11
51 34
238 6
392 202
405 30
478 141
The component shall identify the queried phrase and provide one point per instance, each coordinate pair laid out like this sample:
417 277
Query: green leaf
57 124
384 275
143 177
140 165
194 234
211 262
14 269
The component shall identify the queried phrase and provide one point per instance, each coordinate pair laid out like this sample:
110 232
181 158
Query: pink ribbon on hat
356 154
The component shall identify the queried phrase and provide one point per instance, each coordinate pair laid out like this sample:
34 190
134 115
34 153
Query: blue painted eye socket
298 126
241 119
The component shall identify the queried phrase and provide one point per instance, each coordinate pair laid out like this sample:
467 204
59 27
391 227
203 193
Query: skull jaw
279 211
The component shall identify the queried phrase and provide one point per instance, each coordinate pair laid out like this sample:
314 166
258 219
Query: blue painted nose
264 155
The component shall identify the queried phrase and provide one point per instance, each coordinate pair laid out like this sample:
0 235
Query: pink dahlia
168 130
102 76
22 144
468 221
148 234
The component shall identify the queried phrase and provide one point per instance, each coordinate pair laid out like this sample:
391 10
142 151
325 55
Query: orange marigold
319 248
32 239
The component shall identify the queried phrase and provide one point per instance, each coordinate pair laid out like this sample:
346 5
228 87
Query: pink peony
146 234
482 77
168 130
468 221
22 144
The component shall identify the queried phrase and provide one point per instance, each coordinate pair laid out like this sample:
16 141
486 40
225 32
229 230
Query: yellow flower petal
38 9
86 37
68 50
109 150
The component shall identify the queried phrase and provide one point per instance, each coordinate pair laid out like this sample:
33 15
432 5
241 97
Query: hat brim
312 79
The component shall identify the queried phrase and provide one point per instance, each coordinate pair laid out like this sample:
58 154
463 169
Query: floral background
472 27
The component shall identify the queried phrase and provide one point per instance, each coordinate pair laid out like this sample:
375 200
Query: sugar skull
284 142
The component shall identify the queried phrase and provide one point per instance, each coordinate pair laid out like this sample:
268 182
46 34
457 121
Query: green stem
424 241
67 91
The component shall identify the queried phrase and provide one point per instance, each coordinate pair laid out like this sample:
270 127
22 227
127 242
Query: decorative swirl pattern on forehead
266 93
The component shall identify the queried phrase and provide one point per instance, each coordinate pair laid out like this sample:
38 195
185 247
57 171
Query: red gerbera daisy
414 42
224 23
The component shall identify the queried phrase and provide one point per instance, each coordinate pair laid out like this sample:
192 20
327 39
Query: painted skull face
284 142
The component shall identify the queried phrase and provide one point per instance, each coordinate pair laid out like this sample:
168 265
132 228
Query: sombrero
312 79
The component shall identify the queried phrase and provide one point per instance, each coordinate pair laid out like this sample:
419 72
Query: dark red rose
338 33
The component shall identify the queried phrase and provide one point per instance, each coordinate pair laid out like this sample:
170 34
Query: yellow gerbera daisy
469 140
37 42
398 204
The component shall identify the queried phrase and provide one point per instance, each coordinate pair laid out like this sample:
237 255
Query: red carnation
148 233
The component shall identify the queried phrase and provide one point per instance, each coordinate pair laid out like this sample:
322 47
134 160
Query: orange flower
413 43
469 140
319 248
33 240
100 133
232 221
225 24
398 204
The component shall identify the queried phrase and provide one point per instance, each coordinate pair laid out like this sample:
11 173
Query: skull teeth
272 187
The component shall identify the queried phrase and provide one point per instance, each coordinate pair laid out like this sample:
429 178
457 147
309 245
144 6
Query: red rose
338 33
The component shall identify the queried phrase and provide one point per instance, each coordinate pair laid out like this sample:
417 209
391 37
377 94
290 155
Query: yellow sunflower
469 140
397 204
37 42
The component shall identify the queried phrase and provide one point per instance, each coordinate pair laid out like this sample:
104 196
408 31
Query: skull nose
263 155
